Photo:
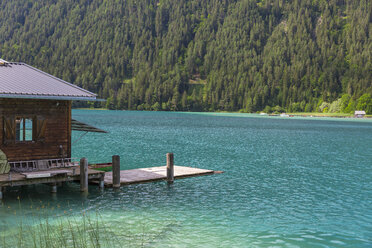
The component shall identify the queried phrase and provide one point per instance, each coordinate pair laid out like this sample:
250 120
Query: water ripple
287 182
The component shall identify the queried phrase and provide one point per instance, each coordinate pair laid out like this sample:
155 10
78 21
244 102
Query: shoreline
328 115
325 115
294 114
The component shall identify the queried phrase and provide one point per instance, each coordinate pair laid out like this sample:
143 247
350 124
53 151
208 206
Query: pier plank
151 174
134 176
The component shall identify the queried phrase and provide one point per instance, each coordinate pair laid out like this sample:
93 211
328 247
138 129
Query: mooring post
54 188
116 171
170 167
102 182
83 175
1 193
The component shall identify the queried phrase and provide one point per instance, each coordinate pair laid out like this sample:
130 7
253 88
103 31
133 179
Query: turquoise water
288 182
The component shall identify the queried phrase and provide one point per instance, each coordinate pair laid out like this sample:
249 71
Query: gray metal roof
360 112
19 80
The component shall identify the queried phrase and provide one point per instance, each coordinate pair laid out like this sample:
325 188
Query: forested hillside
200 55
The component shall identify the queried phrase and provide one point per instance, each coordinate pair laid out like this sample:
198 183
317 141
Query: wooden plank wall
58 128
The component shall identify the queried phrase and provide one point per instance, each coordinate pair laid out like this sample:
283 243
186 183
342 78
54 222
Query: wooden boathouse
36 125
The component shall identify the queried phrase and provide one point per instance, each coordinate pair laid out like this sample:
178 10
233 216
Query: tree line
200 55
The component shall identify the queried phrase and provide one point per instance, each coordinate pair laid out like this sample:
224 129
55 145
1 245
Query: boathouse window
23 129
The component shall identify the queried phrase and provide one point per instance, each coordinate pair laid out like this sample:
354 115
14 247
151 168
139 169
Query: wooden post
170 167
54 188
83 175
1 193
116 171
102 182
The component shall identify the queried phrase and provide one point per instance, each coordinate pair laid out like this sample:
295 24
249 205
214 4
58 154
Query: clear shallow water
287 183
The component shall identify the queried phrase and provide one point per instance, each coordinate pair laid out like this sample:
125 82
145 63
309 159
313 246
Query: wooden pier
168 173
145 175
86 174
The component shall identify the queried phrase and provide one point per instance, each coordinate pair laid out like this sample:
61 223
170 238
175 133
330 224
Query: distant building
359 114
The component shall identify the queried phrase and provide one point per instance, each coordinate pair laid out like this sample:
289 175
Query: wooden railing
44 164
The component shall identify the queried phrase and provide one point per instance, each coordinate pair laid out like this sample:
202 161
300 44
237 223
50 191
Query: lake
288 182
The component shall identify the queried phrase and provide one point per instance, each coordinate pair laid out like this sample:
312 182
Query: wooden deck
135 176
144 175
47 176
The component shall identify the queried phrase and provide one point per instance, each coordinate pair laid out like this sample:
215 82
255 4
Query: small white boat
284 115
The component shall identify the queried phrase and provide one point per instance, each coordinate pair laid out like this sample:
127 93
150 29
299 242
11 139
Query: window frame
10 129
24 118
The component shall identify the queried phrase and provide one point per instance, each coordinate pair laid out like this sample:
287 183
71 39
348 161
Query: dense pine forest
200 55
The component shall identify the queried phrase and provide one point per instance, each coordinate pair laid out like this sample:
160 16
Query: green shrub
324 105
350 107
365 103
156 106
335 106
345 99
267 109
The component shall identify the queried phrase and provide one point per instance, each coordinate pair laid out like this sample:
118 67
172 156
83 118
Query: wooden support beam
54 188
116 171
170 168
1 193
102 182
83 175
